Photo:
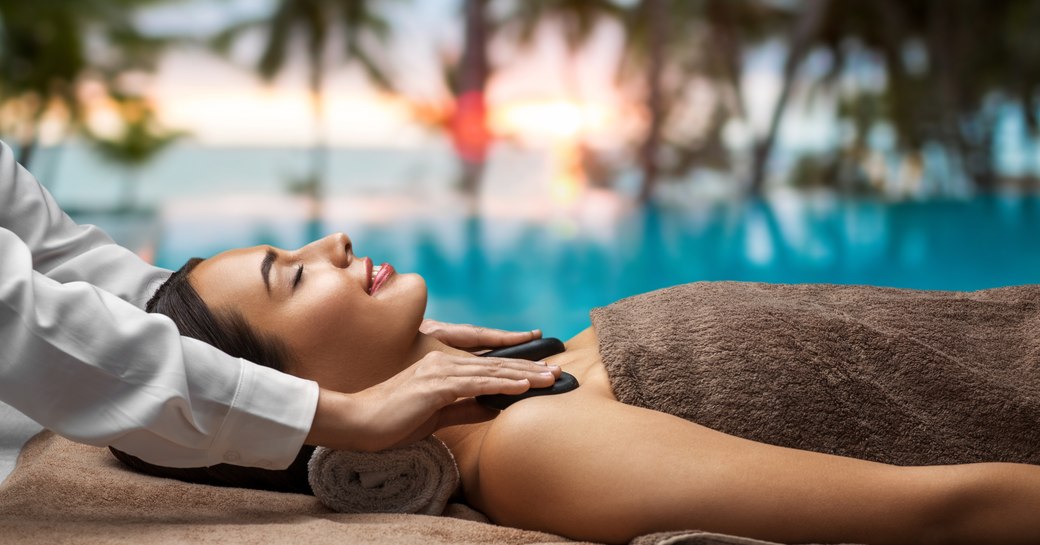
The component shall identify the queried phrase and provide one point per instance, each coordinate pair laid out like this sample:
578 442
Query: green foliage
365 33
49 47
948 68
937 74
578 19
140 139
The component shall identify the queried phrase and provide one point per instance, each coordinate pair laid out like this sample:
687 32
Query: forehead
230 277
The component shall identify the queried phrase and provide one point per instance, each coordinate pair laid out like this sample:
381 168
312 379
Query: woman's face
319 301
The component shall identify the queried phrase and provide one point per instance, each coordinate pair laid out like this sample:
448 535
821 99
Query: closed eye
298 277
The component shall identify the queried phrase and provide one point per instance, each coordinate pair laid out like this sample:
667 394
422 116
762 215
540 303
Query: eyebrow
265 267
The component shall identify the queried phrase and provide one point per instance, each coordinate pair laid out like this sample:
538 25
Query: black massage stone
533 351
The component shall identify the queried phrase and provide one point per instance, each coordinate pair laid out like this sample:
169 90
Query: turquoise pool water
520 274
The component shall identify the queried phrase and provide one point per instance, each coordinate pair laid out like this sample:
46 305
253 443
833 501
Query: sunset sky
538 96
221 102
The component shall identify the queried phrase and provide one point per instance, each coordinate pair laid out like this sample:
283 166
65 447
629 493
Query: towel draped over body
898 376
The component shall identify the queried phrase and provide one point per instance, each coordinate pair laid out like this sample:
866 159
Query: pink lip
385 272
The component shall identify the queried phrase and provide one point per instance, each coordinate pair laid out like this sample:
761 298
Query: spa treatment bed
895 376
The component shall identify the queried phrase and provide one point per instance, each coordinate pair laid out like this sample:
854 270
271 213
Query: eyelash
299 276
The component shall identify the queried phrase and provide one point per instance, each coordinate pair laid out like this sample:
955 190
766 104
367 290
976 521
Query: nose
336 248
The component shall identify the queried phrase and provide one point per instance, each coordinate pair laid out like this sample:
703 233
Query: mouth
378 275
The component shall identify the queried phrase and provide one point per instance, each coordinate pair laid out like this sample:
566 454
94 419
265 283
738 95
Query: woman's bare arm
609 472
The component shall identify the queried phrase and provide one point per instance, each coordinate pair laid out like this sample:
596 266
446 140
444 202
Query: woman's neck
424 344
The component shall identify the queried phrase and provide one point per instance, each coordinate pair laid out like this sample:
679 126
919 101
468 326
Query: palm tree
802 36
364 33
461 110
139 141
469 123
458 108
666 41
43 57
577 20
949 92
655 12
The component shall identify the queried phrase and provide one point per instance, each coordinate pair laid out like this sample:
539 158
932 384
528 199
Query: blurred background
533 159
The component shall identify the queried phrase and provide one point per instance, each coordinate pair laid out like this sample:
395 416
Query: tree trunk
315 190
50 170
657 14
27 149
726 34
128 201
801 39
943 54
469 126
29 143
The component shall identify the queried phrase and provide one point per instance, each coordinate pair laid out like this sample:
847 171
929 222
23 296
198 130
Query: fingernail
554 367
546 374
541 363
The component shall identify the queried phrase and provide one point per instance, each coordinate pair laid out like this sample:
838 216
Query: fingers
493 338
430 327
506 367
538 373
464 411
538 380
461 387
470 336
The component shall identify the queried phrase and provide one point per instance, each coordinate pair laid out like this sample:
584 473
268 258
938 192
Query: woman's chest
582 359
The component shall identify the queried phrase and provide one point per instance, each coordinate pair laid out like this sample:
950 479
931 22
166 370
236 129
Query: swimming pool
519 273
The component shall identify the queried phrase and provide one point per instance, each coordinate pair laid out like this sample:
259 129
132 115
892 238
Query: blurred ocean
80 179
528 259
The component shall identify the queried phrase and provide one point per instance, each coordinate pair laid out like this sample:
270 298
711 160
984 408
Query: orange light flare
569 178
563 126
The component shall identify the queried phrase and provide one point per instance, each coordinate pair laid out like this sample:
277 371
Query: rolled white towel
417 478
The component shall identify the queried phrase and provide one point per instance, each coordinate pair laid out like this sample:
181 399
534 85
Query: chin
411 293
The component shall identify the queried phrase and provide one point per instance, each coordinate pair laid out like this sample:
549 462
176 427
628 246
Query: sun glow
557 119
284 118
279 117
562 126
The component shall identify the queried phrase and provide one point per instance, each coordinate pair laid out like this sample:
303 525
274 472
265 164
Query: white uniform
80 356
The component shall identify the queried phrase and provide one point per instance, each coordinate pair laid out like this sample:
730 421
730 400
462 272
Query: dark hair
228 330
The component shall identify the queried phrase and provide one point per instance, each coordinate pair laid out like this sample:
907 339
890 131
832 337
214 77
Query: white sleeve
95 368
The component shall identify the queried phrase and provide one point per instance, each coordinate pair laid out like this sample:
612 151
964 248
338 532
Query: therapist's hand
434 392
471 337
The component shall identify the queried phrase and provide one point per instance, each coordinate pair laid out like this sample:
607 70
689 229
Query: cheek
356 326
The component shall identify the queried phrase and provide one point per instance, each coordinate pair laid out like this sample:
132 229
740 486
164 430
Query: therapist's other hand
471 337
435 392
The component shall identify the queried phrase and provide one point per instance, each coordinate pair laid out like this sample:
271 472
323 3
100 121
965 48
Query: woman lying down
795 414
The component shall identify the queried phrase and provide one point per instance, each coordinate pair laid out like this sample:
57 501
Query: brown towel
898 376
